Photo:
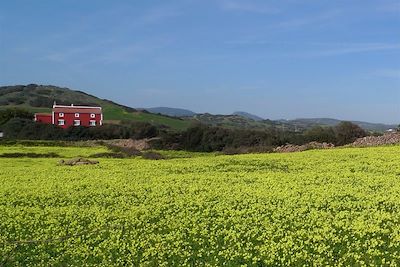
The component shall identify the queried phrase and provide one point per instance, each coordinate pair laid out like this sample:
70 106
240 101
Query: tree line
19 124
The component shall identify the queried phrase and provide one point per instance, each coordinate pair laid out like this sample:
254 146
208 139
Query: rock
296 148
386 139
77 161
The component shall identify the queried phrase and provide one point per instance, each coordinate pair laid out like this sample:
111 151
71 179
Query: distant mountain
40 98
307 123
248 115
174 112
298 125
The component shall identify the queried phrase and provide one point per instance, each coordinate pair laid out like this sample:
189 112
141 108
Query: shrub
152 155
347 132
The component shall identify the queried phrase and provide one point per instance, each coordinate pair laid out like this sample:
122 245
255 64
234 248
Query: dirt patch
142 144
298 148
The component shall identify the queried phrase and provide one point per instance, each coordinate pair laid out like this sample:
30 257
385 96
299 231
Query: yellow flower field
338 207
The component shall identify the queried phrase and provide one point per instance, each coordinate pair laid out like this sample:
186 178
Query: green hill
40 98
233 121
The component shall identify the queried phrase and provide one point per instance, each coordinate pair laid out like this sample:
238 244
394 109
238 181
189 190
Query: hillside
248 115
232 121
307 123
297 125
40 98
174 112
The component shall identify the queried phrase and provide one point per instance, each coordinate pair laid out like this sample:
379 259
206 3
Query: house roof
77 109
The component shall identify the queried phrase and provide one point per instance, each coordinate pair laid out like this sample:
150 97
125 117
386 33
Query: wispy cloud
320 49
248 6
352 48
388 73
316 20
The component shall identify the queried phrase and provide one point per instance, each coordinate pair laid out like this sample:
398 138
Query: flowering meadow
337 207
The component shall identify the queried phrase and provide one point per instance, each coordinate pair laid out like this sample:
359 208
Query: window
61 122
92 123
61 115
92 115
76 115
77 122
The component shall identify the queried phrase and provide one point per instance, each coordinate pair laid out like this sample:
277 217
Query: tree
320 134
347 132
10 113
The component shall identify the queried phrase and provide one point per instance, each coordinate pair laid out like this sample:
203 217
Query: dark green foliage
347 132
320 134
140 130
152 155
7 114
21 128
206 139
115 155
41 101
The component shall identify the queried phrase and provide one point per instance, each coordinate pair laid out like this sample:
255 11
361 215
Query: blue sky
277 59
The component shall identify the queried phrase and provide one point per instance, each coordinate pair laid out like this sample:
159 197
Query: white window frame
92 123
61 114
92 115
61 122
76 115
77 123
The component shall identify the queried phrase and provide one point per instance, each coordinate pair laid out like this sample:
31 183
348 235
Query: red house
66 116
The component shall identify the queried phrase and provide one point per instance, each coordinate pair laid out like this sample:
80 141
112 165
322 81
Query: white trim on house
101 119
77 122
62 106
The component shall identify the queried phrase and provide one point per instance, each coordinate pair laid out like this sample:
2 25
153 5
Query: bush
10 113
152 155
320 134
347 132
117 155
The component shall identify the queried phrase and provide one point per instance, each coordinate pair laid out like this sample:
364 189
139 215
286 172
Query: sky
281 59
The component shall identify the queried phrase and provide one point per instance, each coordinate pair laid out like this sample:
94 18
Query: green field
338 207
